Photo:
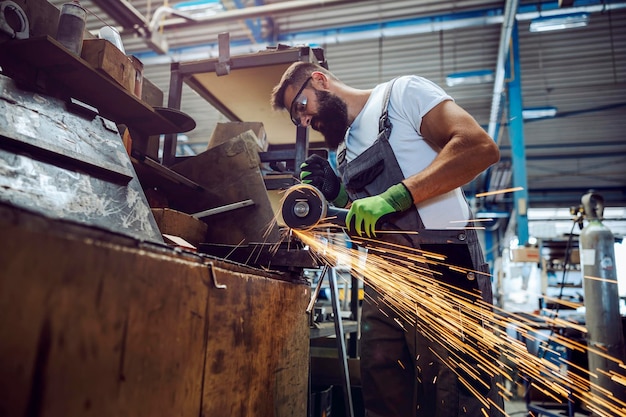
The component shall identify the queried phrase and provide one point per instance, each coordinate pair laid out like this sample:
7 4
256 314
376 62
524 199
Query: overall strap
383 122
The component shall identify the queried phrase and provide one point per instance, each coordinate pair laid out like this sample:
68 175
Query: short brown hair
296 74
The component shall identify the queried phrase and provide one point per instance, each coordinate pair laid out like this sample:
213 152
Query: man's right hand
317 172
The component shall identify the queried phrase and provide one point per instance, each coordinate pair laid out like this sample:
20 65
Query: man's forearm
456 165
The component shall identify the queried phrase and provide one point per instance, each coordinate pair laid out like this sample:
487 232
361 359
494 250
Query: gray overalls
390 389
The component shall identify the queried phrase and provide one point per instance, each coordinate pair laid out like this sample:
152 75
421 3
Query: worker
403 151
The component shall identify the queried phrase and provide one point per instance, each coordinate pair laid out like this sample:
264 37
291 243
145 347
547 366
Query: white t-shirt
411 98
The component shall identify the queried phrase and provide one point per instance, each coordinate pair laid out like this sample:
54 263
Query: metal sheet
43 125
229 173
68 166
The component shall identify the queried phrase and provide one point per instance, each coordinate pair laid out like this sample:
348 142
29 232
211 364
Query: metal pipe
503 50
123 13
163 11
305 5
262 11
335 35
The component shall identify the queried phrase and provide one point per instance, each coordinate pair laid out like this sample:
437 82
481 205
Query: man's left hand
367 211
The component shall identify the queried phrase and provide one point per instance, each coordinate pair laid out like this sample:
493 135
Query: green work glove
367 211
318 172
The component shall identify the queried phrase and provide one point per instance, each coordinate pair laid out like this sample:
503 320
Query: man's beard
331 119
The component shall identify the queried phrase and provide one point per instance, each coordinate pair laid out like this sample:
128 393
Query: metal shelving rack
240 88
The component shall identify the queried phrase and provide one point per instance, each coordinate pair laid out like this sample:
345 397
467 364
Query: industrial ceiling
580 71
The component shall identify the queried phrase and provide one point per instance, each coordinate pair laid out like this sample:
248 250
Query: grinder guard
304 207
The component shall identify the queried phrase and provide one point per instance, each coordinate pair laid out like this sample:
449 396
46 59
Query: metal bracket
83 109
214 279
109 125
223 62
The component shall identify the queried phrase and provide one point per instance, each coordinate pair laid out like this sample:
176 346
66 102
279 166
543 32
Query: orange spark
503 191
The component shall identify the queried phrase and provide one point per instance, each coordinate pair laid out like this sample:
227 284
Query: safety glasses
298 105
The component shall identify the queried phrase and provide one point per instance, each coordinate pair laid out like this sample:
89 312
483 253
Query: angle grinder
304 207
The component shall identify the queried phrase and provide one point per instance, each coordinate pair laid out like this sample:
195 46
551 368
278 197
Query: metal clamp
223 61
214 279
11 7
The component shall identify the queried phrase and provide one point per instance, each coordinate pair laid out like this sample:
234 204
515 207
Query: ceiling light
469 77
538 113
558 22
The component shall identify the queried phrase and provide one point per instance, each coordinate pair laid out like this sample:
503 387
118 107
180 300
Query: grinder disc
303 207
